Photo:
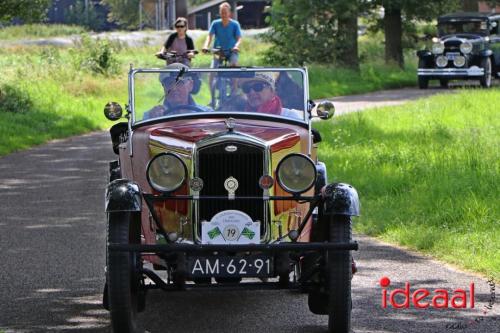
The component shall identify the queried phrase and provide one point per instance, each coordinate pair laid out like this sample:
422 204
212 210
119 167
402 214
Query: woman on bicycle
180 43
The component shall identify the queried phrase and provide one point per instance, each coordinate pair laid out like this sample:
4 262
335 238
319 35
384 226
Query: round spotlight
438 48
266 182
296 173
196 184
459 61
166 172
441 61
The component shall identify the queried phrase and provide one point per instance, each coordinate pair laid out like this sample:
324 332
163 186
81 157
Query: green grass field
427 174
33 31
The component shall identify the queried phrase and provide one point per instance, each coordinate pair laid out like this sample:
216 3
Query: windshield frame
464 21
222 114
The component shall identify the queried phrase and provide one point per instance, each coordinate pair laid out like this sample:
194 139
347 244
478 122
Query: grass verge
33 31
427 174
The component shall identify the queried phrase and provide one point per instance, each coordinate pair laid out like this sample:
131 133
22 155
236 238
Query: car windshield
165 93
458 27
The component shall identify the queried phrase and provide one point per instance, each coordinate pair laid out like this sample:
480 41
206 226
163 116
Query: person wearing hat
261 96
178 90
180 42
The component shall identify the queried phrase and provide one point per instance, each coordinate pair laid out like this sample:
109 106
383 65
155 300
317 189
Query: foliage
26 10
90 18
427 174
96 55
124 12
28 31
14 99
302 33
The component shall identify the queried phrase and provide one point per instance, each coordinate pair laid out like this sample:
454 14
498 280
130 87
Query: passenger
291 93
178 93
180 42
262 98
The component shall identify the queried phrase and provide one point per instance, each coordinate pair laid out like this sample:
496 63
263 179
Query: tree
322 31
26 10
87 16
123 12
397 11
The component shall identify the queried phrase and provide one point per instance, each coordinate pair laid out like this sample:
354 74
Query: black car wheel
339 272
485 80
423 82
124 285
443 83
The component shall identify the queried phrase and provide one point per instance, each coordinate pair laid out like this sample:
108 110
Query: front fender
486 53
123 195
340 199
422 54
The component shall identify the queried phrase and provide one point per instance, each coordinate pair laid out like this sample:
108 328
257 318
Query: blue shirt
225 37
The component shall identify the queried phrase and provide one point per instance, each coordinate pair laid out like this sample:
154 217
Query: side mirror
113 111
325 109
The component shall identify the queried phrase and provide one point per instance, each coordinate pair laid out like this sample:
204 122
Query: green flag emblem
248 233
214 233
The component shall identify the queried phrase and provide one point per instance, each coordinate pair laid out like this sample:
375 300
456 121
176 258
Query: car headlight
296 173
466 47
459 61
441 61
438 48
166 172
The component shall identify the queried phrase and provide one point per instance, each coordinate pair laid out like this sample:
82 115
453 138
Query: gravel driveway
52 241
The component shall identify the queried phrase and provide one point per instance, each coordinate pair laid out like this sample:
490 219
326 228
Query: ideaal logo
424 298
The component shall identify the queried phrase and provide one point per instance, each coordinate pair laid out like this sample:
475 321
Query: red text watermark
423 298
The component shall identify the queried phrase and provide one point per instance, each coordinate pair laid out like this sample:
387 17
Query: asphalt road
52 248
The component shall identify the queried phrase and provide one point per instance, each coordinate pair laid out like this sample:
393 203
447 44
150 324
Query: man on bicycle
227 33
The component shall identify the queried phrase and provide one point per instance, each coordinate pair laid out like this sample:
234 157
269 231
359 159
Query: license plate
238 266
452 55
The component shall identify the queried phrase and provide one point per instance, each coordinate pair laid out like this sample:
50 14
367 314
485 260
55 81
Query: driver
178 93
261 97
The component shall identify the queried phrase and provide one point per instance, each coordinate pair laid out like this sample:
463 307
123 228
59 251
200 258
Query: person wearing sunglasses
177 94
261 97
180 42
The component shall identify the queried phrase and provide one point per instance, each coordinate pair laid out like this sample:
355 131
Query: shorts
233 60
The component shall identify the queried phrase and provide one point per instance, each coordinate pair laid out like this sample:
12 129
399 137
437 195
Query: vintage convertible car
226 195
467 47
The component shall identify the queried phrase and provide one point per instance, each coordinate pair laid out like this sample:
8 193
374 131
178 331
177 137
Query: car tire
485 80
339 274
423 82
124 288
443 83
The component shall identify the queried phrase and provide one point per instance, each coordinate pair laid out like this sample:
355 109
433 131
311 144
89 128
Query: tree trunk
470 5
393 36
347 39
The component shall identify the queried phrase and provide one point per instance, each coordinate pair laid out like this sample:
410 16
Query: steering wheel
192 108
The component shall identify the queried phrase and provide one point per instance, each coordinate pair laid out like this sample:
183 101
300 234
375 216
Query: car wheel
443 83
339 272
485 80
423 82
124 286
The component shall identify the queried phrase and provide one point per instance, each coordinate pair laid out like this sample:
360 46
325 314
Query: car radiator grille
452 46
215 165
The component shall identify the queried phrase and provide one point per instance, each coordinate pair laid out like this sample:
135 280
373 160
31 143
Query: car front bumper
200 248
451 72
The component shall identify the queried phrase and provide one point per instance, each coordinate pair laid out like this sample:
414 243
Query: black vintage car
467 47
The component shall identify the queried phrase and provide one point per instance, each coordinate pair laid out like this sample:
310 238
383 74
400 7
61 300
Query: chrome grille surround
222 140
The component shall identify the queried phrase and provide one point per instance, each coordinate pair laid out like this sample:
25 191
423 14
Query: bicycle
223 83
172 57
